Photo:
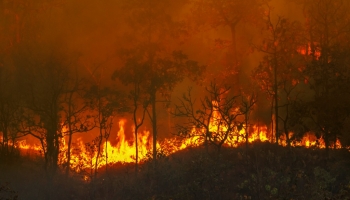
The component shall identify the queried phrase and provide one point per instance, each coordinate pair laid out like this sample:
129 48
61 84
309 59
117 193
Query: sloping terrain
263 171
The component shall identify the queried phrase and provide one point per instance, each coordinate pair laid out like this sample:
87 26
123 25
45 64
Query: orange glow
83 156
306 50
22 144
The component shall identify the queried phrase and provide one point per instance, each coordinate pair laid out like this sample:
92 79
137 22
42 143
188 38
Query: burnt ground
263 171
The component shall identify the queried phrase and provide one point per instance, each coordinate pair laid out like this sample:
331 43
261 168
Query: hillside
263 171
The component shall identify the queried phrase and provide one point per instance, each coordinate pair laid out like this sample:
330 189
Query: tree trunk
136 148
70 132
154 126
326 139
52 142
5 141
106 154
276 97
136 139
246 129
68 149
287 134
98 151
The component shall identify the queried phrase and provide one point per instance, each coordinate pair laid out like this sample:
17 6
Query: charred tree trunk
246 129
69 148
70 134
100 137
154 126
106 150
275 89
286 133
206 140
272 120
56 150
5 141
136 141
99 143
52 143
326 139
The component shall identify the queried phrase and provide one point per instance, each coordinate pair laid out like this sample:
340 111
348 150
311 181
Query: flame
84 155
306 50
22 144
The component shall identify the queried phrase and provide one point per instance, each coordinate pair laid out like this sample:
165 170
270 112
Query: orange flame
83 156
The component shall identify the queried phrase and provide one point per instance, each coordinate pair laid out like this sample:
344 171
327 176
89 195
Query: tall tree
43 76
47 86
150 52
135 75
327 73
246 107
9 110
76 111
105 103
279 67
151 76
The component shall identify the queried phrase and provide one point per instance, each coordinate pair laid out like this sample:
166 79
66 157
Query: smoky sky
92 32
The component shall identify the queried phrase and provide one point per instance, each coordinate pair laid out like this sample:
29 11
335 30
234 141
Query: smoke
92 32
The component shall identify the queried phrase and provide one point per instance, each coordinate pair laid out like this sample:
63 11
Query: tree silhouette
152 75
214 121
328 71
279 67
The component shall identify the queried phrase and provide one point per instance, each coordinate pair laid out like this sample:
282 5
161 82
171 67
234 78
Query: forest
175 99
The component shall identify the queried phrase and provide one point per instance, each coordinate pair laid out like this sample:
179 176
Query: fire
306 50
22 144
310 140
259 133
84 155
255 133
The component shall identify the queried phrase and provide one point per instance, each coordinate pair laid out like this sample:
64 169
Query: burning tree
46 86
76 111
246 107
279 72
154 75
16 18
106 103
51 104
215 121
149 52
10 111
135 73
327 71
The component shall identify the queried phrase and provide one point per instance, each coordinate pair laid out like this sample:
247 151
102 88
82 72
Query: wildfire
84 155
22 144
307 50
